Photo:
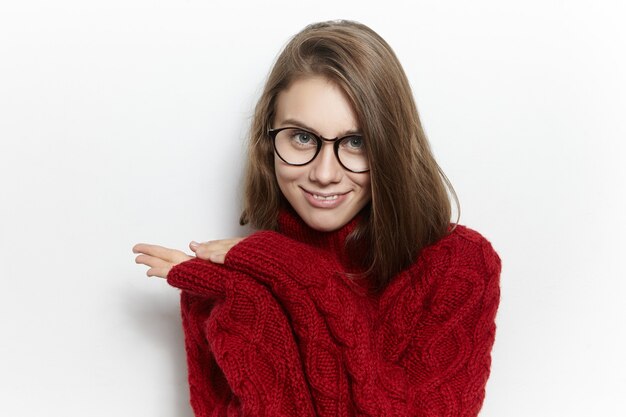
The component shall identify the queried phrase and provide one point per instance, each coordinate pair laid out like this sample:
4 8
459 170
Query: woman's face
324 194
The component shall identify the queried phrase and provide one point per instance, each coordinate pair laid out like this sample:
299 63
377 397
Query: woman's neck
292 225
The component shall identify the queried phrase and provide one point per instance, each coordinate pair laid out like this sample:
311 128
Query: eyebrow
298 123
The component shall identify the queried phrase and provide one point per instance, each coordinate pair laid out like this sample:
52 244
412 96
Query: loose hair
410 206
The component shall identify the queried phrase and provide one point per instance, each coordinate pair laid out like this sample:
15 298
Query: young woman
357 296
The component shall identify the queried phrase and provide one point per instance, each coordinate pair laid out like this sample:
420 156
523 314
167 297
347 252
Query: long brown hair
410 206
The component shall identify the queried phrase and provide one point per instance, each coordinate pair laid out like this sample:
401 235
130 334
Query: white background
124 121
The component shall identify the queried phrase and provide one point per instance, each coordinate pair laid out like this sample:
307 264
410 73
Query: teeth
330 197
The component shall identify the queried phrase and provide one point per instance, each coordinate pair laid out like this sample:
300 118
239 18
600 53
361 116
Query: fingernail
193 244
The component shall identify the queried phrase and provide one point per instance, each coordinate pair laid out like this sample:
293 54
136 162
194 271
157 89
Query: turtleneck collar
291 225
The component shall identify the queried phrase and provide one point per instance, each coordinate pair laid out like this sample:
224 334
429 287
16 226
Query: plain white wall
124 121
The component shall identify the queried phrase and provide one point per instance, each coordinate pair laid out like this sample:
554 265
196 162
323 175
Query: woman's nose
325 168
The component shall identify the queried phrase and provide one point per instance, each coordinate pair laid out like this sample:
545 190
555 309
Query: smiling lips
324 200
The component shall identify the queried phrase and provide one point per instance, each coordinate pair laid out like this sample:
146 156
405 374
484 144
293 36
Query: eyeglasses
296 146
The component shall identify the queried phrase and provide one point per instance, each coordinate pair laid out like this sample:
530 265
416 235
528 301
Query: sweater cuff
199 277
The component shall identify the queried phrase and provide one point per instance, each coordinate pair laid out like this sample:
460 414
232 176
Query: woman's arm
448 352
240 347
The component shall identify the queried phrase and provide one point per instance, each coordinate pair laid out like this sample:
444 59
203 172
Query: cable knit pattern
281 330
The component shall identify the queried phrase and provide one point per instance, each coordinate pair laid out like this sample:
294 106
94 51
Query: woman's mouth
324 200
321 197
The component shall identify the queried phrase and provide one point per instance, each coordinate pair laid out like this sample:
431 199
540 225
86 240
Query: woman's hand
159 259
215 250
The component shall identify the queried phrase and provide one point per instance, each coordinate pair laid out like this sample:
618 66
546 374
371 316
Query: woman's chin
324 222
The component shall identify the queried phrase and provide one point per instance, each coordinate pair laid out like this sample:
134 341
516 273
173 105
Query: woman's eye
355 142
303 138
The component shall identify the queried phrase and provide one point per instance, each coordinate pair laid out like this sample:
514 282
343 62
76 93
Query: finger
207 252
158 272
218 257
139 247
208 249
205 249
158 267
151 261
152 250
164 253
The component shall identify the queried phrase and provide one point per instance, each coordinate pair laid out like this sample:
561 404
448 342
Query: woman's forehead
316 104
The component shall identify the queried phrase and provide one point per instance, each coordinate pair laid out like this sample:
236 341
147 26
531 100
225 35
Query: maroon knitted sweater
279 330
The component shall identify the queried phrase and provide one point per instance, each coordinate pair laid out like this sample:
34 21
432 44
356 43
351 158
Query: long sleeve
444 337
269 257
241 354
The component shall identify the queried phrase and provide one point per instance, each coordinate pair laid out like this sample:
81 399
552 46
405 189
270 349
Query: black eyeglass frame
272 133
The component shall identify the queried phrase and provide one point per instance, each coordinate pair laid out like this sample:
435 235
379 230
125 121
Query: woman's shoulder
461 233
464 248
455 275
